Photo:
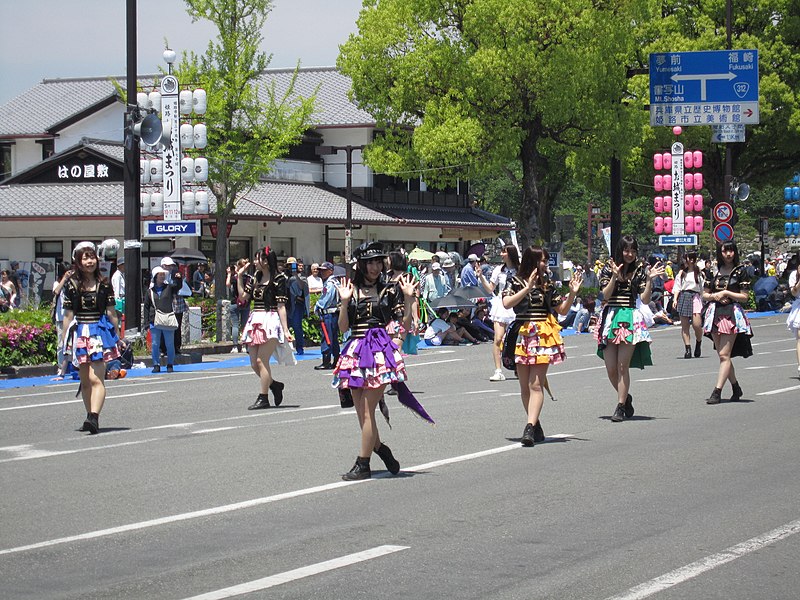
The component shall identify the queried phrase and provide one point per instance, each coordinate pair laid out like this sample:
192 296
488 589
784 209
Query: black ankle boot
737 392
538 432
388 459
688 353
261 402
716 397
527 438
92 423
628 407
359 471
276 387
85 422
346 398
697 349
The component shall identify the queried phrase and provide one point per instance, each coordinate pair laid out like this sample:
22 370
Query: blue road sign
172 228
704 88
677 240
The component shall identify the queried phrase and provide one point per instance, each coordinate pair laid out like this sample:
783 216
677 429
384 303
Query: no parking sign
723 232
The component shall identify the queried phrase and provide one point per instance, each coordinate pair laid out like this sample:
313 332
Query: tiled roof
115 151
269 201
53 101
445 217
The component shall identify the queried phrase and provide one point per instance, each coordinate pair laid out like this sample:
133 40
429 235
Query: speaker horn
150 130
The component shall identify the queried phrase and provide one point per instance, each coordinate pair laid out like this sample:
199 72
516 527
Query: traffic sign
704 88
723 232
723 212
727 133
677 240
794 242
172 228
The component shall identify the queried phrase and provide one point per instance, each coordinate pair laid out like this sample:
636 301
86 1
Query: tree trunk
221 258
529 227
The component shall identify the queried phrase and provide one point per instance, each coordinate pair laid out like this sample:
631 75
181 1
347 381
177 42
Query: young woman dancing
267 330
370 360
538 342
501 316
793 320
93 337
725 321
688 289
623 340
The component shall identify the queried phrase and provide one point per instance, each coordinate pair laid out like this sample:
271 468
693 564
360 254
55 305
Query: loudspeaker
149 129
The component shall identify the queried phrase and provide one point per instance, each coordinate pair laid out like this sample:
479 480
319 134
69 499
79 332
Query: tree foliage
249 124
468 86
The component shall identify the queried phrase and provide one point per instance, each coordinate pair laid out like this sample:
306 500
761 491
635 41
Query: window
5 161
283 247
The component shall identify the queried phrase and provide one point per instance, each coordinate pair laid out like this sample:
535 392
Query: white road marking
226 508
435 362
674 377
479 392
707 563
293 575
769 366
780 391
29 452
81 401
551 373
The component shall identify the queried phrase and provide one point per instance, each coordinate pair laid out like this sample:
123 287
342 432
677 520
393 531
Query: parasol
420 254
478 249
187 255
452 302
471 292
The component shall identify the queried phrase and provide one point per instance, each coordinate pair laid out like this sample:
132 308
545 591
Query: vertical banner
171 154
677 189
607 239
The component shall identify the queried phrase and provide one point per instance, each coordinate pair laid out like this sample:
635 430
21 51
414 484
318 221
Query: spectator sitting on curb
441 332
481 320
463 320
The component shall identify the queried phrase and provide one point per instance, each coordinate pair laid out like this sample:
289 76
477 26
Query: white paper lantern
185 100
200 136
201 169
187 168
156 171
201 201
199 98
157 203
187 136
144 170
142 100
155 101
187 203
144 203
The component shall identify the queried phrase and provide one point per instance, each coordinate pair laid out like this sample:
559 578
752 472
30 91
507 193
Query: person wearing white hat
93 337
158 300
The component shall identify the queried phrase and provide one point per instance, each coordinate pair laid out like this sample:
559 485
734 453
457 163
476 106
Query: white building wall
336 164
25 154
106 124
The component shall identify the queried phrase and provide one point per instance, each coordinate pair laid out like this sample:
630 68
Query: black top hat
369 250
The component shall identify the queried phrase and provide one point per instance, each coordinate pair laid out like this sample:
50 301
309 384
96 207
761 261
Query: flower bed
27 338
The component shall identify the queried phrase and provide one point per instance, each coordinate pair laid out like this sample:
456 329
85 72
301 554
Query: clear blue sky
44 39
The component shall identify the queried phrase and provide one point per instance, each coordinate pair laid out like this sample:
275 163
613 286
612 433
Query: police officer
327 307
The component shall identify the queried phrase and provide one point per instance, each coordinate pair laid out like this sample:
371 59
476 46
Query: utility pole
132 222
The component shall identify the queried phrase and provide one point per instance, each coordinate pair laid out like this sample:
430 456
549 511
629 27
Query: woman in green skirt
623 340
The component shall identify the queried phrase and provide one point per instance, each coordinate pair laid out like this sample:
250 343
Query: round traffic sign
723 232
723 212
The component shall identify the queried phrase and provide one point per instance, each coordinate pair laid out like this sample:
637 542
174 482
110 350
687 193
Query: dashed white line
302 572
780 391
707 563
76 401
226 508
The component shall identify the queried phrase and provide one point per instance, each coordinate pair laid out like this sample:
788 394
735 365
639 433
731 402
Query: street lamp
348 224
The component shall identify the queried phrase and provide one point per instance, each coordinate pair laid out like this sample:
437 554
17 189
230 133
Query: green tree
467 87
249 124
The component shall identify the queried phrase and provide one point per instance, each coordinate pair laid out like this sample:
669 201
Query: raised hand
575 282
656 270
408 285
346 290
243 269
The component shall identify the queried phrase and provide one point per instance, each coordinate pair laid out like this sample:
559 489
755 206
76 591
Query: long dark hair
729 245
267 254
77 273
531 257
360 275
626 242
513 255
398 261
692 254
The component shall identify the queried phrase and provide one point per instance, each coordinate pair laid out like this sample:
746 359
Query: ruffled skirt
793 320
727 319
91 342
369 362
624 325
265 325
499 313
539 343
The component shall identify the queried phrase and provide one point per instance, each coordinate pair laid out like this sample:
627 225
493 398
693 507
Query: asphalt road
186 494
